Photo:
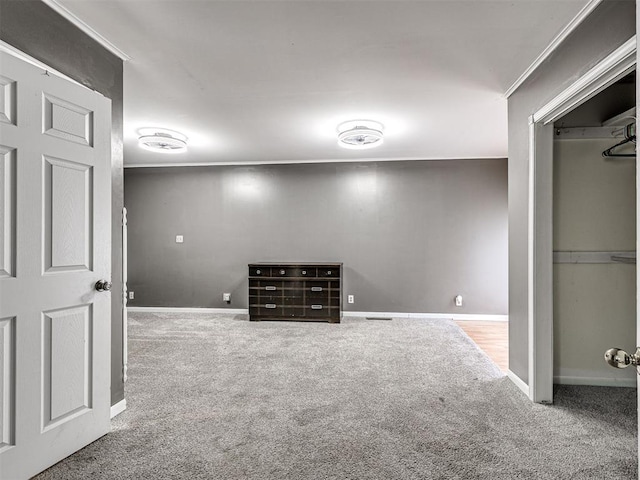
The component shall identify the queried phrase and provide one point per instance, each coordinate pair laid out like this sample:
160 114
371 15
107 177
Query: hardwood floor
492 338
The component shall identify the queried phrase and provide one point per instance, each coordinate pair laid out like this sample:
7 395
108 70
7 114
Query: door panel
55 328
63 119
7 385
7 100
7 211
67 210
66 354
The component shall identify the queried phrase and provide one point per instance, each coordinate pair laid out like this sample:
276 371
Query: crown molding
555 43
66 13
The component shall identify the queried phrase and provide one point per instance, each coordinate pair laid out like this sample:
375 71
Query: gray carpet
215 397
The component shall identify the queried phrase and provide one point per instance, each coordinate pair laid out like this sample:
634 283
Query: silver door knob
103 285
618 358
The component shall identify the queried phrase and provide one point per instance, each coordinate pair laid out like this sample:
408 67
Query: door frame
540 211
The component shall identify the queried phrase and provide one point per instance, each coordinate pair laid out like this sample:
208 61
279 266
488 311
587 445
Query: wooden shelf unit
295 291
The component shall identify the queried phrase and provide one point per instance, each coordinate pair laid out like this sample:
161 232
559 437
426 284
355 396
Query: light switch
179 239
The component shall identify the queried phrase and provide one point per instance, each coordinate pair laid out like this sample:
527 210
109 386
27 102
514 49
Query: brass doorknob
103 285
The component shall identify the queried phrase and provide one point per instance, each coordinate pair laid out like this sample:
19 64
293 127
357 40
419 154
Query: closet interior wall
594 218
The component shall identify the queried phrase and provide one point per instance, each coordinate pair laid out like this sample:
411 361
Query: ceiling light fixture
360 134
162 140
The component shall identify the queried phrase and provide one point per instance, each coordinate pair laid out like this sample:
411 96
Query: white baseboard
586 381
448 316
119 407
479 316
187 310
518 382
595 381
381 314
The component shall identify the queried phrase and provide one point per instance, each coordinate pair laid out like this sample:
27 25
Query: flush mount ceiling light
360 134
162 140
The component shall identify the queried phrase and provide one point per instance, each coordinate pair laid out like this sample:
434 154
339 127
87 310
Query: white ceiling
269 81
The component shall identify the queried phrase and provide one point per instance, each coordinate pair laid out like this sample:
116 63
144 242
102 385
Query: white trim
540 265
441 316
518 382
186 310
66 13
608 71
11 50
555 43
125 299
595 381
351 313
461 317
119 407
297 162
531 277
447 316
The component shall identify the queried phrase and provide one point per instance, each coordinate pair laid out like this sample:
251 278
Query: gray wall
35 29
610 25
411 235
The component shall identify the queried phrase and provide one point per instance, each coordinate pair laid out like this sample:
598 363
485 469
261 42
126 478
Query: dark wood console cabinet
295 291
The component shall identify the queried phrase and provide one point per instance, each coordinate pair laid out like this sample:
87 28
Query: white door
55 203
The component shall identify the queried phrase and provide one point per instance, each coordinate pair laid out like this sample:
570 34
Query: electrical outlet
458 300
131 295
226 297
179 239
351 299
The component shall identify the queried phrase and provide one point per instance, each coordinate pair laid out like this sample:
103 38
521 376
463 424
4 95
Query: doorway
594 236
610 70
492 337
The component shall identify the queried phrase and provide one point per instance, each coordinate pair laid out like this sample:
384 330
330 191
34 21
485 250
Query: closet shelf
611 256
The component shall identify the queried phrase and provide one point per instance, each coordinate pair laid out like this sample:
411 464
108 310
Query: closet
594 237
